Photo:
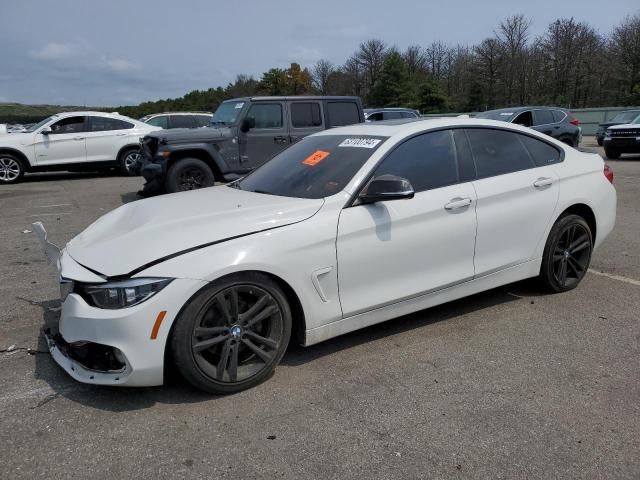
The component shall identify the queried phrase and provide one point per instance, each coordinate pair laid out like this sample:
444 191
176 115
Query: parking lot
510 383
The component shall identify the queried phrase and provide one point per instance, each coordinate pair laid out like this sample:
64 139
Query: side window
68 125
342 113
558 115
409 115
524 119
428 161
543 117
103 124
202 120
392 115
541 152
161 121
305 115
375 117
182 121
266 115
466 166
497 152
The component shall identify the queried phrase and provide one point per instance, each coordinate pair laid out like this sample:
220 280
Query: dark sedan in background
622 118
553 121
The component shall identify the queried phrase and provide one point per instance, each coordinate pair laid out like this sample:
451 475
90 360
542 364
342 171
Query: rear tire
600 142
189 174
11 168
128 160
232 334
568 141
567 254
611 153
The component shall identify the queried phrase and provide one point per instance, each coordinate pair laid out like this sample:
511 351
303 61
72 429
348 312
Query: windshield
315 167
35 127
227 113
505 116
625 117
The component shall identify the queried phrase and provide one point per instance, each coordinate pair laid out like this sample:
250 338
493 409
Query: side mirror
247 124
386 187
45 131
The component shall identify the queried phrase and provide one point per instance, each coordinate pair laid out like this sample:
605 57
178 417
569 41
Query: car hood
17 138
145 231
177 135
625 126
606 125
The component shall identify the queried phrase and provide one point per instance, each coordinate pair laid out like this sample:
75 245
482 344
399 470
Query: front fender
208 149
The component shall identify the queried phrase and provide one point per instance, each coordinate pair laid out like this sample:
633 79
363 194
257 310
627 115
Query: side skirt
487 282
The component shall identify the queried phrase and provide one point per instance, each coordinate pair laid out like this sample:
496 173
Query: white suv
73 141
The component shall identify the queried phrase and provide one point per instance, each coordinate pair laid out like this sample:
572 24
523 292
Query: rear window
315 167
342 113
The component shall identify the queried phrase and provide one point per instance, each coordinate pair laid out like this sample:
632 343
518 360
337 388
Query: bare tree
487 61
415 59
321 75
625 45
513 35
370 56
436 55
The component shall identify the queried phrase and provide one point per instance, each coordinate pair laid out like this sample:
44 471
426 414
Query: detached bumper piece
88 362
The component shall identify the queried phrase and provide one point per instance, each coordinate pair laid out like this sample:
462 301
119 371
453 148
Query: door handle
280 139
78 138
458 203
543 182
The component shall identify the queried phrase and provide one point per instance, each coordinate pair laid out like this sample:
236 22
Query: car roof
522 109
404 127
293 97
390 109
178 113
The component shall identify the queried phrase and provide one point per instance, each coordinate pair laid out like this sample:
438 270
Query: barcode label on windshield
360 142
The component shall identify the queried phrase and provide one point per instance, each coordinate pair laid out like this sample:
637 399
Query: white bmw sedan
346 228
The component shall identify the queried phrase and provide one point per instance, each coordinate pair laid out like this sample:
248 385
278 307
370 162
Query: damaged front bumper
110 347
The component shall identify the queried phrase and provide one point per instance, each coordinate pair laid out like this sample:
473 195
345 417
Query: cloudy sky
114 52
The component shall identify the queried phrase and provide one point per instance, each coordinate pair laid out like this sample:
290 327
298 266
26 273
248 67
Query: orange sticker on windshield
316 157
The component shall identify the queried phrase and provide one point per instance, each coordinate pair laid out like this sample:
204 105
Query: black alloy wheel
567 253
232 338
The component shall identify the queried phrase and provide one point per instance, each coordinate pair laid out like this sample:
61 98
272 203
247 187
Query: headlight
122 294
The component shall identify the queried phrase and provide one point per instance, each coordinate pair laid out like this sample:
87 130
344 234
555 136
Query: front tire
232 334
189 174
11 168
611 153
567 254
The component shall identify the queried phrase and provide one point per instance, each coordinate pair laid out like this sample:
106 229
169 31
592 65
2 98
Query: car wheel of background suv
611 153
128 159
189 174
11 168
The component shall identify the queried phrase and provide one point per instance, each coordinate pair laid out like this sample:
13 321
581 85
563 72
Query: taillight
608 172
574 121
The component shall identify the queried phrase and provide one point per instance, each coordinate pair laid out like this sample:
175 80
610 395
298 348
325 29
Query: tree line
571 64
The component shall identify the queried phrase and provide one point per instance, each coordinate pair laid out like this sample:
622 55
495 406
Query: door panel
397 249
269 137
64 144
106 136
512 214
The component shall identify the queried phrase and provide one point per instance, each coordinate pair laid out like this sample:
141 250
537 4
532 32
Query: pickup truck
244 133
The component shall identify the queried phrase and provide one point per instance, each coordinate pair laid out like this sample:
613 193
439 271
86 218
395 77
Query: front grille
149 146
631 132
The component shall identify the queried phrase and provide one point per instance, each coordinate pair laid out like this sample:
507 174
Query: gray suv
244 133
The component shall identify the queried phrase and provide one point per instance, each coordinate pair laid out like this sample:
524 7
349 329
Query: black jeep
244 133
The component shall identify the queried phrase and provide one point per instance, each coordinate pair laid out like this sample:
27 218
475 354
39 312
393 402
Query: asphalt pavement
510 383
